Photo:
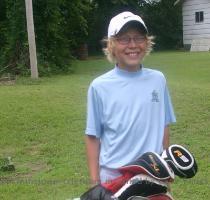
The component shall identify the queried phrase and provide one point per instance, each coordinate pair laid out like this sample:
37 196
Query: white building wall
191 29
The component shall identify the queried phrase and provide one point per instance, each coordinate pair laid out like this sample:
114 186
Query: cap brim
134 24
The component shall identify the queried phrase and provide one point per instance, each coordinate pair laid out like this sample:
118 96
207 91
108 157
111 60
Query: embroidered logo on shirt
155 96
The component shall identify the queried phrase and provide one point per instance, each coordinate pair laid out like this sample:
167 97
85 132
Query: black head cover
137 198
180 160
150 164
163 196
97 193
141 185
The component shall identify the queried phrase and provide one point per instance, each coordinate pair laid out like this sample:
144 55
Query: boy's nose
132 42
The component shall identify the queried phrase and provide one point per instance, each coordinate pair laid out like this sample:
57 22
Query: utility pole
31 39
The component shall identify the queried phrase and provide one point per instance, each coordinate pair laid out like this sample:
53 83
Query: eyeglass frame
119 39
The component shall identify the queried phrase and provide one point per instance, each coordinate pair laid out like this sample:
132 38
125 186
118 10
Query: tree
2 22
59 28
164 21
13 49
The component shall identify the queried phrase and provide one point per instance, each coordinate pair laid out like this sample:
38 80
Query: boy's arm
166 142
166 139
92 150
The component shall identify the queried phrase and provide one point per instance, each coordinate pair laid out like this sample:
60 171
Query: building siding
191 29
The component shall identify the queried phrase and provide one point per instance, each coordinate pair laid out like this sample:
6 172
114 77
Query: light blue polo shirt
128 111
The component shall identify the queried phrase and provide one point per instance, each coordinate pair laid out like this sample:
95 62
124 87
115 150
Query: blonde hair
110 44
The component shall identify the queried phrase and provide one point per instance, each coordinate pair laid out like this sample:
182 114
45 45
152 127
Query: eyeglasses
127 40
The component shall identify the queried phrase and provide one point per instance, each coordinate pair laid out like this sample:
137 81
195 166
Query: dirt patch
26 169
33 150
25 177
34 168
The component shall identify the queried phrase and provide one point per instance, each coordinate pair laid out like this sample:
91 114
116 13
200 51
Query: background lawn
42 124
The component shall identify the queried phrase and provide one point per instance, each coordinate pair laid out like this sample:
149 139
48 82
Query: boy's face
130 49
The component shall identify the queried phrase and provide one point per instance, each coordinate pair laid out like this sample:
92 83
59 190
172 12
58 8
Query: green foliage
164 21
52 46
6 164
60 26
13 49
2 23
63 26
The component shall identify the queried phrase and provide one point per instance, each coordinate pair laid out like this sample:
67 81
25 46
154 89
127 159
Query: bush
60 26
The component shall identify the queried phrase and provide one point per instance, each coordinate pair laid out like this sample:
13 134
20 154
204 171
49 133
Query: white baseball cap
117 22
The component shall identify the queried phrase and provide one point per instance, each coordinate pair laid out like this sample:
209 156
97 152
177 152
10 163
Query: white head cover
120 20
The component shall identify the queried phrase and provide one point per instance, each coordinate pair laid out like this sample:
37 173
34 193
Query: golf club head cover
163 196
141 185
115 184
138 198
97 193
151 164
180 160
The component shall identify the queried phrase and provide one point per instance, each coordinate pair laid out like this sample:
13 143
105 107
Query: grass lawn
42 127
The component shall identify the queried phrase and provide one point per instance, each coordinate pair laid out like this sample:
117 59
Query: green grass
42 127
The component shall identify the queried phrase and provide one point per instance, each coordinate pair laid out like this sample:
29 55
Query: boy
129 108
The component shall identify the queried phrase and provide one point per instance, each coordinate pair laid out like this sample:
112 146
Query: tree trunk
31 39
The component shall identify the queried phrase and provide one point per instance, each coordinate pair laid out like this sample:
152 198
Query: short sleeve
169 111
93 124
